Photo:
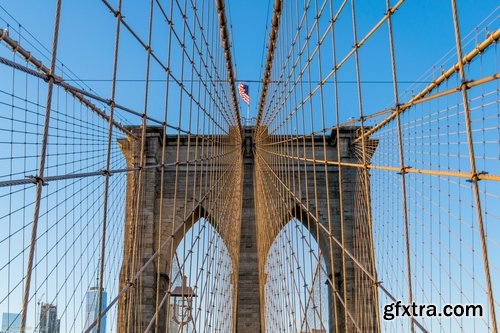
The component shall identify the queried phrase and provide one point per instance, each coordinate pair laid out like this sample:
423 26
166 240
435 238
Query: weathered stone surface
248 305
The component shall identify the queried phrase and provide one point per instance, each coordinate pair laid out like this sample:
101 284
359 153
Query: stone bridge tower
318 209
244 211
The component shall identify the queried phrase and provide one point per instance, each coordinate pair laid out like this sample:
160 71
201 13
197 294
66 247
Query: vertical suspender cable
106 169
472 160
41 169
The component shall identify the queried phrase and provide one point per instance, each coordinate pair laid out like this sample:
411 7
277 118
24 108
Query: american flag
244 91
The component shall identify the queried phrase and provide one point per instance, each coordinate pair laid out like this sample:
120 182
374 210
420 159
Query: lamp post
183 300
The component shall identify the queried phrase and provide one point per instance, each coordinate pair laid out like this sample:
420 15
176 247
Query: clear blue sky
88 28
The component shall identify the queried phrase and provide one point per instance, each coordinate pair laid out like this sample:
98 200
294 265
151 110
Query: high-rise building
11 322
91 308
48 319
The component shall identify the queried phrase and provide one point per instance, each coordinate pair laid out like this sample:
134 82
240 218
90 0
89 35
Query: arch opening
296 298
202 256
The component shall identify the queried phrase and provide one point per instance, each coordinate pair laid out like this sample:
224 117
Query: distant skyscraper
11 322
91 308
48 319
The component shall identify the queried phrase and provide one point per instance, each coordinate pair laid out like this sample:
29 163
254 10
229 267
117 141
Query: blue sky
88 30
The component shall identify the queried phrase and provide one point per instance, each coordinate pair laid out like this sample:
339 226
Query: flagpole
248 114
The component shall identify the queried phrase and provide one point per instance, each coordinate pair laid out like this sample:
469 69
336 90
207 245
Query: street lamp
183 300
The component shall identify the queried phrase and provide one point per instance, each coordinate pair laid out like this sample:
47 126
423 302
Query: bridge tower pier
249 318
144 233
315 202
154 221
